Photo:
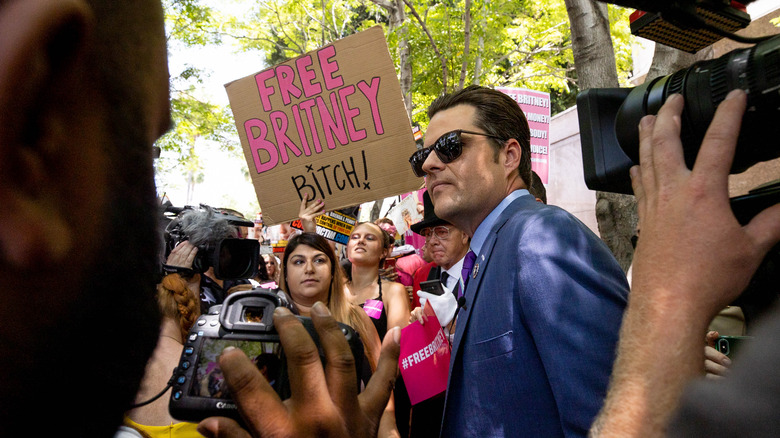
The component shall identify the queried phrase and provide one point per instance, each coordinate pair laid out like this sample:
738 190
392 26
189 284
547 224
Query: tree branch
466 43
433 43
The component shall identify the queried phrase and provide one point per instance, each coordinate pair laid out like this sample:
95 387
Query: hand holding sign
309 212
445 304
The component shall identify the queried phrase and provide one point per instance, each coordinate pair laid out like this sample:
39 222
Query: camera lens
704 86
723 346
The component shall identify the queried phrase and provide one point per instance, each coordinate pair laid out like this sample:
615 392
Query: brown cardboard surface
364 158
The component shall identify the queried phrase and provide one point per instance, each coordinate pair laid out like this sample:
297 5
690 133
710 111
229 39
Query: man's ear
42 47
512 154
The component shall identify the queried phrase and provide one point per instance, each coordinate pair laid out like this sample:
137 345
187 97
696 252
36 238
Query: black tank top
380 323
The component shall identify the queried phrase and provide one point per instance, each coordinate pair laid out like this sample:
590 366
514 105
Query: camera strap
160 394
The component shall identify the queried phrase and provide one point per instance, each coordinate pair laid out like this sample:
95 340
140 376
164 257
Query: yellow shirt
174 430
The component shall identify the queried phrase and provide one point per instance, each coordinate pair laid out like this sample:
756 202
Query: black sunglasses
448 147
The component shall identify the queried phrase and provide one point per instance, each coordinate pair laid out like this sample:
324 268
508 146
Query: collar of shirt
454 273
486 225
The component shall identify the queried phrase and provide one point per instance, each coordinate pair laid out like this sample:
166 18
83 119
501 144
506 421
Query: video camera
245 321
231 258
609 117
609 120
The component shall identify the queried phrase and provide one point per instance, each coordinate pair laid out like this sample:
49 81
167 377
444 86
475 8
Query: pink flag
425 358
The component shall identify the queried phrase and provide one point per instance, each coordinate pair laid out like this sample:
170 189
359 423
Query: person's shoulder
536 213
393 288
391 285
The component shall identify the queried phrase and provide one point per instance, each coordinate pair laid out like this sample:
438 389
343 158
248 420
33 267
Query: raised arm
309 212
692 259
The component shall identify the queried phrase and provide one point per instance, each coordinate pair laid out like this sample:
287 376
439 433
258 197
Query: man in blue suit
535 341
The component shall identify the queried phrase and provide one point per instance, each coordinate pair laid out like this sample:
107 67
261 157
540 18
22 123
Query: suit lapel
480 267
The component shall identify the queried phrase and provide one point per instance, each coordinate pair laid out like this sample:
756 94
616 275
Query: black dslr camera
244 321
232 259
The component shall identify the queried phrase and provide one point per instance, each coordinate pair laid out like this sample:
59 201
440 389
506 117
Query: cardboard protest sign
536 107
425 358
332 225
330 124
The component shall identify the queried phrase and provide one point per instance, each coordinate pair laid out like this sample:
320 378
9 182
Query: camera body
245 321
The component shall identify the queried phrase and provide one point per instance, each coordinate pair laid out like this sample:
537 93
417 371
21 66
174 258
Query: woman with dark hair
309 273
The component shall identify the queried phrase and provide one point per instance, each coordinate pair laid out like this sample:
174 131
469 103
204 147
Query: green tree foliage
188 24
520 43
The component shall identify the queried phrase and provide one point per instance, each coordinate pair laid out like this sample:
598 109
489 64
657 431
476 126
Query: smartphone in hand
432 287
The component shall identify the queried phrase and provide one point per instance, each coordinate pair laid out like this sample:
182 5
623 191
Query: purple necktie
465 272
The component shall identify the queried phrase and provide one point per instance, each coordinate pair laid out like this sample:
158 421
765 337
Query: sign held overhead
330 124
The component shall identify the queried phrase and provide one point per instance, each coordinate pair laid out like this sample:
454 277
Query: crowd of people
546 339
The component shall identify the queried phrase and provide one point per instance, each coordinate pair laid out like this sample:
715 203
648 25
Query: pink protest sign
425 358
536 107
373 308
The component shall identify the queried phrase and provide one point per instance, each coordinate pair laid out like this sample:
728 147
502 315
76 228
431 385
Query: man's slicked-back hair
496 114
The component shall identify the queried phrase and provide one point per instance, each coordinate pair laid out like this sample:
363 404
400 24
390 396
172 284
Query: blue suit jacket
534 345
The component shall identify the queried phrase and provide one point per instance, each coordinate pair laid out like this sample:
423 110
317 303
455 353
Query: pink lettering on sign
279 125
332 123
264 90
286 78
301 130
373 308
258 143
350 114
371 91
310 88
306 106
329 67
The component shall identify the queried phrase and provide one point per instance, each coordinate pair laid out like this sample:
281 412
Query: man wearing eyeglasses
447 247
534 343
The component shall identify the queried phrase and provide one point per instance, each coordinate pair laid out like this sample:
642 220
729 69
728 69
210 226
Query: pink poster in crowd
425 358
536 107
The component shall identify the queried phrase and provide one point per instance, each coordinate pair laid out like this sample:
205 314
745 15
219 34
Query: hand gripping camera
244 321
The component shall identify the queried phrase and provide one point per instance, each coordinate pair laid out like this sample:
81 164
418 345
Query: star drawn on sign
309 168
366 186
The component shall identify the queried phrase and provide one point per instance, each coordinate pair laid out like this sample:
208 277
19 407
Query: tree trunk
404 54
397 14
594 60
480 46
667 60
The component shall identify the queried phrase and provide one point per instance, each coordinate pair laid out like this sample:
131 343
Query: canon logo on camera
226 405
